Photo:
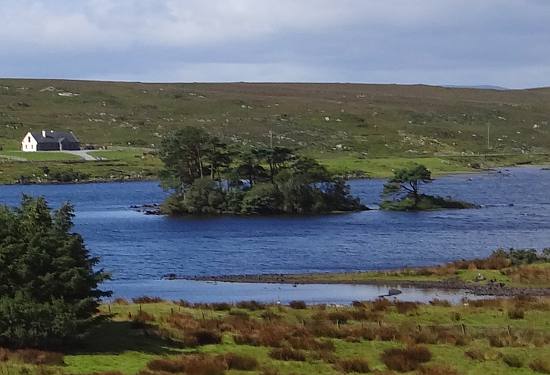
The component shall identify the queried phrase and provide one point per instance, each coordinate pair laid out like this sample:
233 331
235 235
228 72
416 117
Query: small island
404 190
212 178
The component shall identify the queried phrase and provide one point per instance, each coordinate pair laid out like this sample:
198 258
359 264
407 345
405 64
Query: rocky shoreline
489 289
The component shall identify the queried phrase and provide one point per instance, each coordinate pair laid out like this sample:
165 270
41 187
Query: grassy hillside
330 121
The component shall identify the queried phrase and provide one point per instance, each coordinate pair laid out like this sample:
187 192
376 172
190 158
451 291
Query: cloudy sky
452 42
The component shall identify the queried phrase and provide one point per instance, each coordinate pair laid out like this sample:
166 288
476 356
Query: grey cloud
501 42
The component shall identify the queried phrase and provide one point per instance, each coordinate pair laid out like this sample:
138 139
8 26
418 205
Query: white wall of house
29 143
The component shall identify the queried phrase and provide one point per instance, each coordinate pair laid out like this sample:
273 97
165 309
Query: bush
475 354
32 357
405 307
287 354
512 360
540 365
516 314
408 359
204 365
357 365
203 337
240 362
167 365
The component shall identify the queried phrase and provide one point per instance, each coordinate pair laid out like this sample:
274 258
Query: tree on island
210 177
407 181
48 288
404 189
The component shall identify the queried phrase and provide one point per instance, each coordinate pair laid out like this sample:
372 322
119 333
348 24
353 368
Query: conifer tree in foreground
48 286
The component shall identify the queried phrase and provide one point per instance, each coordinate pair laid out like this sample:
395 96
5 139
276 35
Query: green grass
117 346
40 155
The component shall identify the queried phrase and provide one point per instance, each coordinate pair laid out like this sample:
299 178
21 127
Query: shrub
387 333
297 305
203 337
143 300
357 365
540 365
240 362
167 365
516 314
407 359
475 354
32 357
204 365
512 360
287 354
403 307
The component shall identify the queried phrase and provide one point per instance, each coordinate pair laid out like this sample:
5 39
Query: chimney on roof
43 134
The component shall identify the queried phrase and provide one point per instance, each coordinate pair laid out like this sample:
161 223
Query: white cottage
49 141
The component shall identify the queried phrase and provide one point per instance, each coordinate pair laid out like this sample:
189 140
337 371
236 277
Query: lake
139 249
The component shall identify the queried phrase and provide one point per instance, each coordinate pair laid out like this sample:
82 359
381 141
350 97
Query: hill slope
377 120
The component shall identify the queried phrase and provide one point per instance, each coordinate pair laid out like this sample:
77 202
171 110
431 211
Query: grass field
350 127
479 337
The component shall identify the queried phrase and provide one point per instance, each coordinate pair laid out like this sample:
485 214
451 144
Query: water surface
139 249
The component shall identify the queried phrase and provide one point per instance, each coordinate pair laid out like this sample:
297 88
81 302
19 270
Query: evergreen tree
48 286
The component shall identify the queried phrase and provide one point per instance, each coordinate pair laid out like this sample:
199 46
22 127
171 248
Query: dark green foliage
208 180
263 198
189 154
407 181
48 287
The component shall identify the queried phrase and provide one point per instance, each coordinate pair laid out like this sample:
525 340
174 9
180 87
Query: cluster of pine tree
210 177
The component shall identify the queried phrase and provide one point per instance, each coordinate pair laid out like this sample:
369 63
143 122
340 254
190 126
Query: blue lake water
138 249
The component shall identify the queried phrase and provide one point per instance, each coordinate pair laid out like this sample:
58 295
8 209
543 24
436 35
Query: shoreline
457 172
489 289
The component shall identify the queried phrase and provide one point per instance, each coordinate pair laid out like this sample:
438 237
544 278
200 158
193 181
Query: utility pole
488 136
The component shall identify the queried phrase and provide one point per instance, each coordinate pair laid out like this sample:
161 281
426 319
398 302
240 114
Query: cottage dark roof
54 137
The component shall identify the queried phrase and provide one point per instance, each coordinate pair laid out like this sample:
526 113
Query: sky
441 42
